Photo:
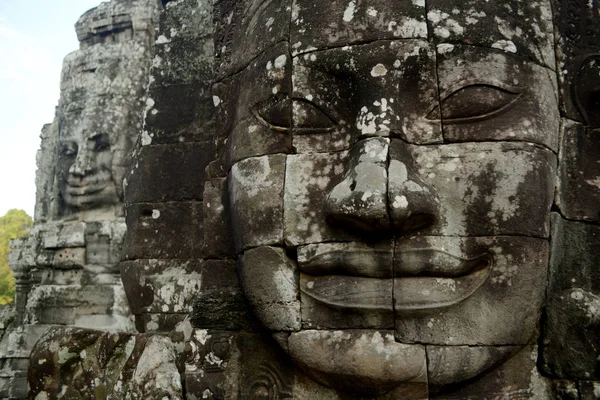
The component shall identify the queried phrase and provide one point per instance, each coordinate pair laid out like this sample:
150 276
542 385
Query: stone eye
101 142
476 102
298 114
68 150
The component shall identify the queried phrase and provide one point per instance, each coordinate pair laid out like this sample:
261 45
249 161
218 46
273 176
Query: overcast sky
35 36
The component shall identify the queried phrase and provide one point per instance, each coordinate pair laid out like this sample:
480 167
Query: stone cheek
503 300
479 188
271 286
256 196
309 179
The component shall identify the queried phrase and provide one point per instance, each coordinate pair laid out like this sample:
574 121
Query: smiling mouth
80 188
356 277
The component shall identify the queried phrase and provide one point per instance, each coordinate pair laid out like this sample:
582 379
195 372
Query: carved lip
85 189
367 279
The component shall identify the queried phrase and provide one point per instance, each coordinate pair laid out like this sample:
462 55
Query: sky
35 36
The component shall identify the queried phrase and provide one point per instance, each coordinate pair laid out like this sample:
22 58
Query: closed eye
298 114
476 102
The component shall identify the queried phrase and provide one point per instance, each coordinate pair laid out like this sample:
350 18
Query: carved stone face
90 162
391 199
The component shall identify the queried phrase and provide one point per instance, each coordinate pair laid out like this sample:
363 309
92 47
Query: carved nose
359 202
377 195
82 165
413 204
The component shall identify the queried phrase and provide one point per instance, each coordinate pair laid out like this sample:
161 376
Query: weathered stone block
309 178
256 200
103 242
218 232
223 309
164 230
80 363
579 174
173 172
271 286
375 89
56 235
521 27
480 189
469 291
346 302
518 104
241 22
316 25
450 365
517 377
352 360
183 51
179 113
571 343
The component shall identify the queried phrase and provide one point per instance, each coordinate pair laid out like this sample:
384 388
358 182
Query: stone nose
83 164
359 202
413 204
381 191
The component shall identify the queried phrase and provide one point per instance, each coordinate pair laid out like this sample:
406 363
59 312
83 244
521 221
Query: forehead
91 121
520 27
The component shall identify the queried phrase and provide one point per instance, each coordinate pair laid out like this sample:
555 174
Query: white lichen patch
379 70
444 48
350 11
400 202
505 45
216 100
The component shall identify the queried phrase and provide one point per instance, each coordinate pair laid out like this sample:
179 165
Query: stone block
347 258
577 32
223 309
104 240
271 286
352 360
589 390
218 232
480 189
256 188
488 94
164 230
346 302
521 27
76 305
179 113
317 25
579 173
451 365
359 203
263 367
517 378
171 172
309 178
56 235
65 258
166 286
183 51
89 364
571 344
263 24
376 89
219 274
469 291
253 107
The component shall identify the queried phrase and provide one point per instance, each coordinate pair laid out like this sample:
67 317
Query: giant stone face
391 177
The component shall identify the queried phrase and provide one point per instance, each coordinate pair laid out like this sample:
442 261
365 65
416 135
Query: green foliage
15 224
